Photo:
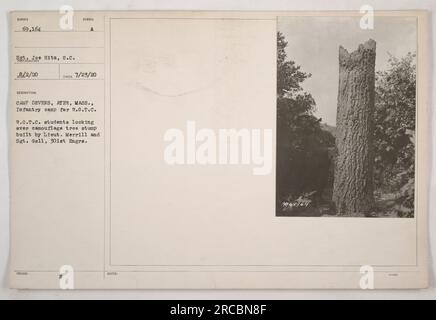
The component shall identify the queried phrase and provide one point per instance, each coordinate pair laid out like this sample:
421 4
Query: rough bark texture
353 184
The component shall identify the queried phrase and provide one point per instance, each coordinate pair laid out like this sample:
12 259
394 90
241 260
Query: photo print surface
346 105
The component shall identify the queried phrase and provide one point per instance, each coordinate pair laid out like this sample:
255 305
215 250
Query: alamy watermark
66 277
367 20
206 146
66 20
367 277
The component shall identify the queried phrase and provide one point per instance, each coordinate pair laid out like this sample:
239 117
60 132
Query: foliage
304 158
394 132
289 75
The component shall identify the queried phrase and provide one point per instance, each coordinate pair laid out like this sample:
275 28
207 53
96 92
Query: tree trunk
353 184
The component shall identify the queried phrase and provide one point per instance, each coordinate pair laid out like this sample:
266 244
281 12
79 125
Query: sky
313 43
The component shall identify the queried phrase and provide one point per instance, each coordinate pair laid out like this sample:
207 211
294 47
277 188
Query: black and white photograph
240 152
346 105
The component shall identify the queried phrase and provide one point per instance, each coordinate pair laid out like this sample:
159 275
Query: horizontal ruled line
19 47
56 63
64 31
58 79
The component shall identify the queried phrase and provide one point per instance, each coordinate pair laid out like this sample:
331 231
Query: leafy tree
289 75
303 162
394 135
